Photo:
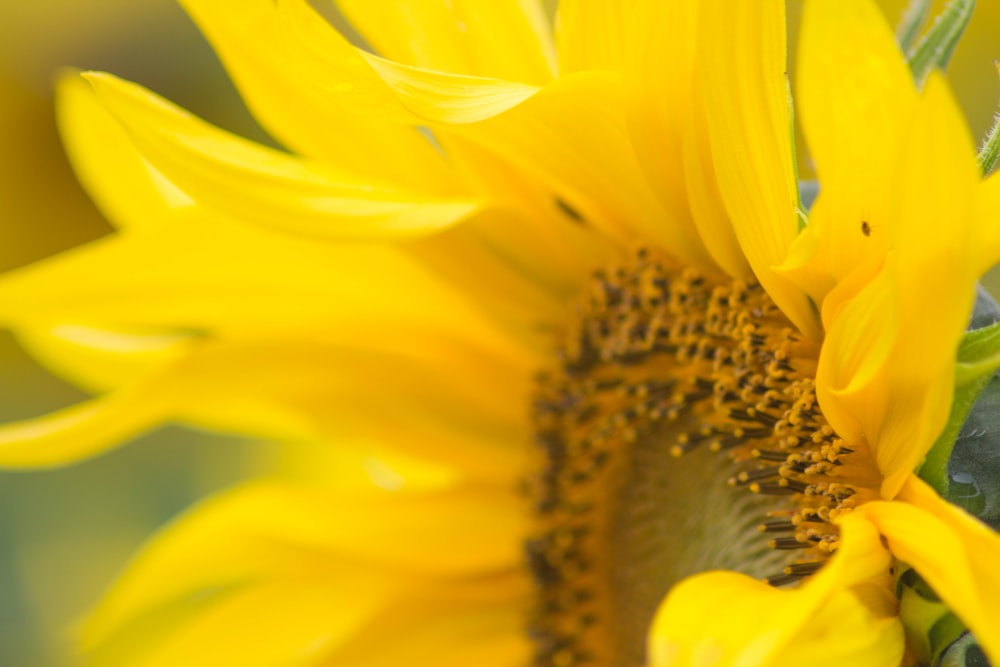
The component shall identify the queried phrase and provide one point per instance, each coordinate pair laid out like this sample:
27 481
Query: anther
788 543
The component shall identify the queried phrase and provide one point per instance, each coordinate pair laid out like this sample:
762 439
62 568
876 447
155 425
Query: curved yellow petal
244 625
720 619
240 558
741 54
232 565
889 356
669 132
301 79
592 34
572 137
102 359
446 97
952 551
528 230
79 431
128 190
234 280
507 39
468 622
705 199
107 160
578 152
418 395
854 104
267 187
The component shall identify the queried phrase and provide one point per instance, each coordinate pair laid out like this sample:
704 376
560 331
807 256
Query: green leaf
912 21
936 47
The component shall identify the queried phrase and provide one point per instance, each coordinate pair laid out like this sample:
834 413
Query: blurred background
65 533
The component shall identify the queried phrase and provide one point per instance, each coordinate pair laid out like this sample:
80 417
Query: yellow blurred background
64 533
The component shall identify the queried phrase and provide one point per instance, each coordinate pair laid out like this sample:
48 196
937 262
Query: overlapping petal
282 388
232 565
854 104
897 388
592 34
838 617
670 137
571 135
742 64
506 39
961 563
127 189
311 90
261 185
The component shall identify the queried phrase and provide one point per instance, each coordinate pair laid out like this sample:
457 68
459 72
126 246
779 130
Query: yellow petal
952 551
250 552
742 57
128 190
232 565
507 39
102 359
592 34
79 431
527 230
133 193
267 187
448 98
855 96
234 280
719 619
670 139
417 394
888 360
477 622
246 625
571 136
705 199
301 78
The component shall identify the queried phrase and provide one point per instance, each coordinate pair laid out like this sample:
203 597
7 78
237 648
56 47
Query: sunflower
554 299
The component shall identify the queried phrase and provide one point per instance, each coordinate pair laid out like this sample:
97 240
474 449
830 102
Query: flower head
484 239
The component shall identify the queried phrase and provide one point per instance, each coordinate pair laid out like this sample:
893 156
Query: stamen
669 383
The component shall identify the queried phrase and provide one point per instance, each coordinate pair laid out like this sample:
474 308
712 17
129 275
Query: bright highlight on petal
129 191
267 187
448 98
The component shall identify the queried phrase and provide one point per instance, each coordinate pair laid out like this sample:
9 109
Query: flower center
680 424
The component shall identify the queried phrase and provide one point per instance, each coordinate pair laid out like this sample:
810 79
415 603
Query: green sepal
935 635
912 21
978 355
936 47
989 153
